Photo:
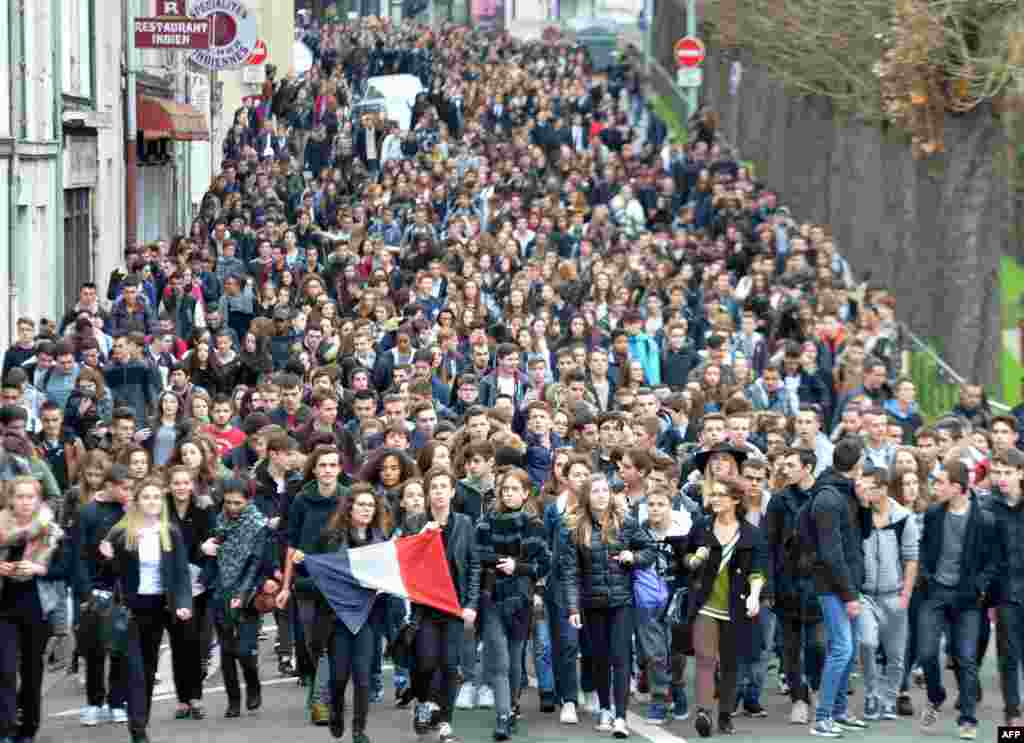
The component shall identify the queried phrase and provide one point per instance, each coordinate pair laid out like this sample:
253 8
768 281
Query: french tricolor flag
413 568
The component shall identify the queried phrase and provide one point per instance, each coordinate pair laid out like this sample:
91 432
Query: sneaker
421 719
890 712
285 667
753 709
783 687
825 729
800 714
377 696
119 716
485 697
501 728
593 704
619 729
105 717
568 714
904 707
680 708
90 716
703 723
435 715
657 713
968 731
929 717
850 722
872 709
918 676
604 722
467 697
445 734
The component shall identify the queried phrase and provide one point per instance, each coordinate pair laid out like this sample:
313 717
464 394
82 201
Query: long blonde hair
131 522
580 520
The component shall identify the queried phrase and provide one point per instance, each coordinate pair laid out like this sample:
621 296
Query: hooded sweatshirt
886 551
307 518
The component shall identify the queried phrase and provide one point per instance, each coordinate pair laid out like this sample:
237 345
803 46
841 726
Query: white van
395 95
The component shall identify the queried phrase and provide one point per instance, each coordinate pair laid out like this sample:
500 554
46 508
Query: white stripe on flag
376 566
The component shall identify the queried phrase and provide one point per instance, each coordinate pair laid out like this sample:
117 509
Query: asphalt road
282 717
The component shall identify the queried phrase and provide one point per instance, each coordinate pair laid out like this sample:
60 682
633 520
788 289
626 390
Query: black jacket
1009 587
593 580
794 594
460 550
981 555
174 573
750 557
841 524
95 520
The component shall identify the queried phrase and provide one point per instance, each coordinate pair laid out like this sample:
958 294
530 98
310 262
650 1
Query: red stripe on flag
424 568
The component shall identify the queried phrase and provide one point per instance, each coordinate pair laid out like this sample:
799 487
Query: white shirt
150 583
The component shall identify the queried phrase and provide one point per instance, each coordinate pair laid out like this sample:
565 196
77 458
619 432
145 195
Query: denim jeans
653 644
752 672
883 624
910 657
1010 642
502 658
940 614
542 659
469 656
803 654
842 636
565 649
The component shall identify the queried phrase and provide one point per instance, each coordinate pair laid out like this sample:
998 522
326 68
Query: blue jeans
542 661
565 648
940 613
842 635
752 672
653 645
1010 642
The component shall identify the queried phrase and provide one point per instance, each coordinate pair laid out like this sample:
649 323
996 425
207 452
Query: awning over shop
160 118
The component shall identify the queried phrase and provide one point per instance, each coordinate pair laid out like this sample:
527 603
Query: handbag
649 589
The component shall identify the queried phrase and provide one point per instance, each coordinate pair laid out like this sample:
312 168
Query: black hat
702 457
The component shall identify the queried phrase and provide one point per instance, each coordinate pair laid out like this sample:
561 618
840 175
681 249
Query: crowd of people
652 415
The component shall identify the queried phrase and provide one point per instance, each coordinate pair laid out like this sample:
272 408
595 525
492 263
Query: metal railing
937 383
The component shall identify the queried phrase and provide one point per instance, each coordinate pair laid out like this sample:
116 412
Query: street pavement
282 718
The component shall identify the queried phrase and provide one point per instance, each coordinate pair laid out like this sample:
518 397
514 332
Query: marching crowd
652 416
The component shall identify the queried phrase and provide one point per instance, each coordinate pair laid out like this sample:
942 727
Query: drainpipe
131 152
58 176
16 57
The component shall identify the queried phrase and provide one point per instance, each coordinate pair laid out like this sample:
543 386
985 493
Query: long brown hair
581 520
529 502
341 520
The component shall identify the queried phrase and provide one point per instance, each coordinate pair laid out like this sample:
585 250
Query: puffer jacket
593 580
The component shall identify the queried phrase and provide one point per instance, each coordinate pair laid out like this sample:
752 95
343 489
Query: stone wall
933 231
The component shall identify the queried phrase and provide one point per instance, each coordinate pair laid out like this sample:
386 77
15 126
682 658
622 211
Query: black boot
337 719
502 729
253 689
232 688
139 736
360 711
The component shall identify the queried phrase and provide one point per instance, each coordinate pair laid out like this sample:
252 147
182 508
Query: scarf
40 538
239 535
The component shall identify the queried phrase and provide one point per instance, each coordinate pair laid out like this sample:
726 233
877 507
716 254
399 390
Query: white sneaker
619 729
485 697
594 704
568 716
467 697
604 722
90 716
800 715
119 716
105 716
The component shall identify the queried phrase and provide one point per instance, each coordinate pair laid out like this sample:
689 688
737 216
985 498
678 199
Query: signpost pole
691 31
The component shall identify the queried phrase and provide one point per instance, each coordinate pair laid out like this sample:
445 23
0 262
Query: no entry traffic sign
689 51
